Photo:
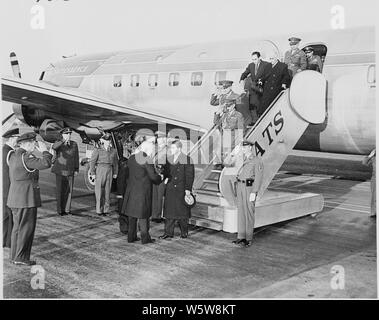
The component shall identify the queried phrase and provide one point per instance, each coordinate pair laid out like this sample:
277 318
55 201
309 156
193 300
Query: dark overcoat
138 193
263 70
24 191
66 159
181 175
273 82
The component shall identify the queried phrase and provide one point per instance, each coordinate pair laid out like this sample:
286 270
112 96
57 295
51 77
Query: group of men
262 82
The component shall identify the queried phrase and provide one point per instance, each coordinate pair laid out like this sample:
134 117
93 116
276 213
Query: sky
88 26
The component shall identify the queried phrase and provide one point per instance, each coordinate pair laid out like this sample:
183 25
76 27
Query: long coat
67 158
6 180
263 69
24 169
138 193
273 82
181 175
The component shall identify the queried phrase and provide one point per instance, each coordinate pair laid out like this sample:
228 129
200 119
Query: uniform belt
244 181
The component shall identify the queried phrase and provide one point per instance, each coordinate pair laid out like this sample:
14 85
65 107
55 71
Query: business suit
66 164
138 193
255 73
159 190
7 213
24 199
181 174
273 82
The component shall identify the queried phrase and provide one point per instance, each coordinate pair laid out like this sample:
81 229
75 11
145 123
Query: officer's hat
294 40
189 200
225 83
65 131
106 136
11 133
247 143
28 136
230 101
308 49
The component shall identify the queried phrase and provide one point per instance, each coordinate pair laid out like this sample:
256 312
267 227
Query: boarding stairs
274 136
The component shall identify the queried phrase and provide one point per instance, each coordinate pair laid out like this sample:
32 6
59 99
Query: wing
41 100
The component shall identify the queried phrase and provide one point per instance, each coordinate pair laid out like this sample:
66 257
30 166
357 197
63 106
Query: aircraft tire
89 179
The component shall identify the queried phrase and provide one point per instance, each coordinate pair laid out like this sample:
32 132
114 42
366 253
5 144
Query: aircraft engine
49 130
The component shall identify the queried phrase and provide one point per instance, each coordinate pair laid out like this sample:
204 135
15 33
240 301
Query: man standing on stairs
249 180
181 174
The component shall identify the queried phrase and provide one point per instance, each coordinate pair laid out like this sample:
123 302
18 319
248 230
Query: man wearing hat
313 61
9 144
295 58
160 160
104 165
24 194
65 167
249 180
181 174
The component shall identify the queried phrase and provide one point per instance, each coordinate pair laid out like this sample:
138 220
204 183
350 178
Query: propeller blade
15 65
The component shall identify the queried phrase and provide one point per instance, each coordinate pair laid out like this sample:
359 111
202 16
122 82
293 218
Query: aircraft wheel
89 179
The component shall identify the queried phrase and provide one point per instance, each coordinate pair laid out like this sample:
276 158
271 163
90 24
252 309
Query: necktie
256 68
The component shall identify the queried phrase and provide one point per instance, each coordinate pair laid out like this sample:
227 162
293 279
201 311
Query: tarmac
84 256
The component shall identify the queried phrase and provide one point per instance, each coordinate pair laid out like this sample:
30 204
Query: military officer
104 165
160 160
24 194
65 167
10 139
181 173
249 180
313 61
295 58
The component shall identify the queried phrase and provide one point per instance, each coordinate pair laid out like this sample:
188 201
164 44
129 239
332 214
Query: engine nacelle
49 130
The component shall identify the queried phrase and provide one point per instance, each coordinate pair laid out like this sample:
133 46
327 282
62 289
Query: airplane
129 90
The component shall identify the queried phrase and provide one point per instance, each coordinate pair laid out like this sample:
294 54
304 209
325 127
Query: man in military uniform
65 167
253 74
104 165
10 139
225 93
313 61
249 179
24 195
276 80
160 160
295 58
181 174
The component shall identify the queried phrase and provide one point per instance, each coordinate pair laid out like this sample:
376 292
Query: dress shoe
184 236
248 243
67 213
238 241
62 213
136 239
165 236
150 241
157 220
25 263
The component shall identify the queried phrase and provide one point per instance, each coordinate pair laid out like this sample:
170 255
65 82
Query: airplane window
220 75
117 81
173 79
134 80
153 80
196 79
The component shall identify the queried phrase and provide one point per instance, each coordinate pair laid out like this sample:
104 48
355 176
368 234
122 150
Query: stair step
210 181
217 170
210 187
208 192
211 211
206 223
